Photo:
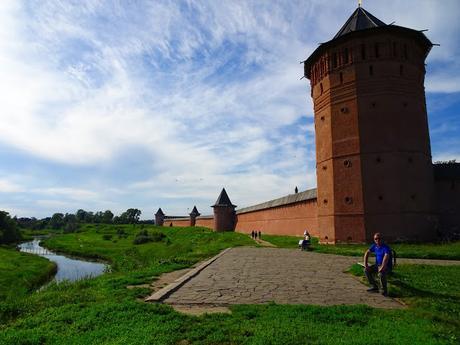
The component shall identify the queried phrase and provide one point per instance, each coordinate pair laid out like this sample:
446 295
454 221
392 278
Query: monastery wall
289 215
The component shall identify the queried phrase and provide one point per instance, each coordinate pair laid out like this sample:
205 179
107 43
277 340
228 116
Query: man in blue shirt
383 264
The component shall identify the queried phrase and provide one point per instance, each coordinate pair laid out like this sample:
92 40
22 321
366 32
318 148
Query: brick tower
224 213
193 216
374 169
159 217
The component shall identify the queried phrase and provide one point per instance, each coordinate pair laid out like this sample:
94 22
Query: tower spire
360 2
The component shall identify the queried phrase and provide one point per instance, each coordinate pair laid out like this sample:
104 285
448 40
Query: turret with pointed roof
193 216
374 168
224 213
159 217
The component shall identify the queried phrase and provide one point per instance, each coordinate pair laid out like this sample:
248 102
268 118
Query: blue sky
147 104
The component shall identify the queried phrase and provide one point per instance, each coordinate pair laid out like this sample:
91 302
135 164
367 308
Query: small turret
159 217
193 216
224 213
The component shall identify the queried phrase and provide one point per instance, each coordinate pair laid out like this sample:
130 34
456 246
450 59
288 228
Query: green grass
448 251
21 272
181 245
104 311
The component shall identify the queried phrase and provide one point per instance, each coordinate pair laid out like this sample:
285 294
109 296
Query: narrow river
70 269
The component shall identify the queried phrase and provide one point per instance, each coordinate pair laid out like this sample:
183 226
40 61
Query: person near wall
260 234
383 264
306 240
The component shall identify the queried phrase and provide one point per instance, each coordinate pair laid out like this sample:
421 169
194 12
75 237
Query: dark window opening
349 238
413 196
322 118
378 160
380 197
344 110
325 201
347 163
349 200
373 104
363 51
324 167
377 50
345 56
371 70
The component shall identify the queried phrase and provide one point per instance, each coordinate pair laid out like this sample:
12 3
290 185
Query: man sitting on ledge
383 264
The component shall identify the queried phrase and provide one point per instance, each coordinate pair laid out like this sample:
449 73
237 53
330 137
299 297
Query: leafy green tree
57 221
132 215
107 217
81 215
9 232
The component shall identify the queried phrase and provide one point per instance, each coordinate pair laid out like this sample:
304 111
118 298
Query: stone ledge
168 290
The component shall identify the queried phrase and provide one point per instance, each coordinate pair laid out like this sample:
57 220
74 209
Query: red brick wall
177 222
291 219
205 222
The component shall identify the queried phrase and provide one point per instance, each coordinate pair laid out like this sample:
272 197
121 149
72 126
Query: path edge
165 292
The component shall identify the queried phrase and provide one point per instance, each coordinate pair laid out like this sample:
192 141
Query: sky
147 104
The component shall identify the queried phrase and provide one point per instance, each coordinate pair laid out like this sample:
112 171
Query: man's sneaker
373 289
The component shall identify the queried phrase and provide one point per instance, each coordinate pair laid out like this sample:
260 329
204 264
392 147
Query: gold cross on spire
360 2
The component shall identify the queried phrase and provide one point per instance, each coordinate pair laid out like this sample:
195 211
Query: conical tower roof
195 212
223 200
359 20
362 24
159 212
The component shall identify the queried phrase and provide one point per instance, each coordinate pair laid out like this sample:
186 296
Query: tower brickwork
159 217
374 170
224 213
193 216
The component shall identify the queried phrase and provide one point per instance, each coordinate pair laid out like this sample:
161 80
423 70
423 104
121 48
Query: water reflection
67 268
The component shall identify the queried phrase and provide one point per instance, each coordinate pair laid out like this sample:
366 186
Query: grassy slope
22 272
102 310
450 251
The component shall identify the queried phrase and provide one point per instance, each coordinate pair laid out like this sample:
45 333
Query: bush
122 233
70 227
107 237
143 237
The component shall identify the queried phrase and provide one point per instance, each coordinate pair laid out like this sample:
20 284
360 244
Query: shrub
143 236
142 239
107 237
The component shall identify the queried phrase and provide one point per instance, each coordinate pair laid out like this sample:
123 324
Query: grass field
20 273
104 311
448 251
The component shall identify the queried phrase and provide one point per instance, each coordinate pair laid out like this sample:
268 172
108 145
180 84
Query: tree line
68 222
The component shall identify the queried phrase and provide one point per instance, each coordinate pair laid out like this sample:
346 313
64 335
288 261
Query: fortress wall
181 222
289 215
447 188
207 222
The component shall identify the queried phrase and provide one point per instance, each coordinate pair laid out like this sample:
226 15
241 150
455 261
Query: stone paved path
247 275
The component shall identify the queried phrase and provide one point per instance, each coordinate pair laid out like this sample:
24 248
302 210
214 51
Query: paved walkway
248 275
